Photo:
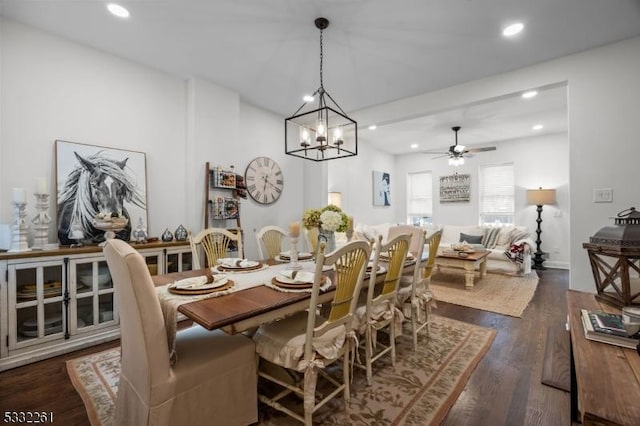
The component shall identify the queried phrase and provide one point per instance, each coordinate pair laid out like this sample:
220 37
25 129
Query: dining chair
380 311
216 243
414 294
270 239
305 343
214 376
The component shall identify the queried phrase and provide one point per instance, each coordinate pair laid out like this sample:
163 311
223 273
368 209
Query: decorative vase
181 233
167 236
330 239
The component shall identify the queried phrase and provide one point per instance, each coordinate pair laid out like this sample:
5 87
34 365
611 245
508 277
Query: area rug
501 293
420 390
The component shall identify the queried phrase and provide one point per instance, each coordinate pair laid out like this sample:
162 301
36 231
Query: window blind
497 190
420 196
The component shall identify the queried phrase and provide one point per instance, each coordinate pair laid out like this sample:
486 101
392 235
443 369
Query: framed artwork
455 188
94 182
381 189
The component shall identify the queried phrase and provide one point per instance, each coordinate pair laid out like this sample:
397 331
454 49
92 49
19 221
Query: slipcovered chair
270 238
380 311
414 295
306 343
216 243
214 378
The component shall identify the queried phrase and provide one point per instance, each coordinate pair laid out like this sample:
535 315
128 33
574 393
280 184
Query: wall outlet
603 195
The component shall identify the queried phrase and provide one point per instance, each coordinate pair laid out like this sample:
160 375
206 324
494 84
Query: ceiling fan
457 153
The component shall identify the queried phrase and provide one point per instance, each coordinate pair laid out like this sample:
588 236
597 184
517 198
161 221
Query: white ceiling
375 50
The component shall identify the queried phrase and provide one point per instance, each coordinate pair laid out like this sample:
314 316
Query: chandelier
323 133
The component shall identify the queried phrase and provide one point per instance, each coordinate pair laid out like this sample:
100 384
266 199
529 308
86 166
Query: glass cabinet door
36 290
94 296
178 261
154 262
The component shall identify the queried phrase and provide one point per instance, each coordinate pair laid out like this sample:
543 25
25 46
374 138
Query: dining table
248 308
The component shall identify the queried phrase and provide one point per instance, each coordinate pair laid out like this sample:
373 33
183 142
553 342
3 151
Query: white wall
538 161
604 88
55 89
353 176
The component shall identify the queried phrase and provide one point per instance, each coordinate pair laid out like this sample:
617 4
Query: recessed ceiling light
414 145
513 29
373 127
538 127
530 94
307 98
118 10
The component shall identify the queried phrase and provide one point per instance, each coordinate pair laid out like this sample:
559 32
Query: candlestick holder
349 235
41 222
295 265
19 228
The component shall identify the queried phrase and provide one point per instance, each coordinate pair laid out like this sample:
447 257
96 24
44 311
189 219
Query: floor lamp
540 197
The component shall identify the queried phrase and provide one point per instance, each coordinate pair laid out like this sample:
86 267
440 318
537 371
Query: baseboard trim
557 265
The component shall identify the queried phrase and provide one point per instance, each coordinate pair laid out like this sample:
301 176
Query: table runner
170 302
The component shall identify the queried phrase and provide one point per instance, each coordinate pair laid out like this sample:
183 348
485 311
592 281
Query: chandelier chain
321 58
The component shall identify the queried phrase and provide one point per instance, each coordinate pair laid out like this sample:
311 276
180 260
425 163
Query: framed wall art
94 182
381 189
455 188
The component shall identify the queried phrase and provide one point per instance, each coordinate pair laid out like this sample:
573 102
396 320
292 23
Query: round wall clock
264 180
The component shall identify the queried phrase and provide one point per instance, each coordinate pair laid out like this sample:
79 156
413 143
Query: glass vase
330 239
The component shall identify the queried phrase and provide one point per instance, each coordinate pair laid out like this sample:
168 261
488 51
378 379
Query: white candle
42 186
19 195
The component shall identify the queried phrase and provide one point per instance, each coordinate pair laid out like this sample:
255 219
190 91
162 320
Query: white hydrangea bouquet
330 218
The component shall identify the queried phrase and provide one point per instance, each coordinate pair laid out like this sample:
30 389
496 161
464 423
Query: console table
605 379
57 301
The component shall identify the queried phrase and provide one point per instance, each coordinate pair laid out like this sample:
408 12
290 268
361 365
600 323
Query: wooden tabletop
607 376
476 255
244 309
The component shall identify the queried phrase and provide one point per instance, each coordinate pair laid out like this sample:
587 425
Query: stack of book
607 328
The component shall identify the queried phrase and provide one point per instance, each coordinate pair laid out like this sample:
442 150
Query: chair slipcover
414 295
270 238
306 342
216 243
215 374
379 310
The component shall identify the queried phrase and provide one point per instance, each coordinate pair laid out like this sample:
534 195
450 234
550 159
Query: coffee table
470 263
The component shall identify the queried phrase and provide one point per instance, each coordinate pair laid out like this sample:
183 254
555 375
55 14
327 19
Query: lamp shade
540 197
335 198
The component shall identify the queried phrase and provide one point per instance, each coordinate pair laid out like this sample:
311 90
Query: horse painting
97 185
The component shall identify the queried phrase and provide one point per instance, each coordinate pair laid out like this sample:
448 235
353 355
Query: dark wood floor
505 388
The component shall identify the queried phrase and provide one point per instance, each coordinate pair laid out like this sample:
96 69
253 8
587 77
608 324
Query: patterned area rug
420 390
501 293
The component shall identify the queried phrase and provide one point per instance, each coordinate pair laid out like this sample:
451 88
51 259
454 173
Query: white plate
284 279
301 255
192 284
242 265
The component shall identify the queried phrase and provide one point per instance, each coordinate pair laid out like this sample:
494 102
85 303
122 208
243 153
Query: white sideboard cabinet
57 301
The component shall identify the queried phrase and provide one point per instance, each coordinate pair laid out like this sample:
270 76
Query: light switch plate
603 195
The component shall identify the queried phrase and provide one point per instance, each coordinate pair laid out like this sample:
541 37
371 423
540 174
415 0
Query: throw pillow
490 237
504 237
471 239
517 235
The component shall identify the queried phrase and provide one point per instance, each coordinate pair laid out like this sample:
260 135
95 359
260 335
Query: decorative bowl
86 277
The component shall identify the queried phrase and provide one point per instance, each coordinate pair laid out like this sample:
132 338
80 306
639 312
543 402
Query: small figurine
167 236
140 233
181 233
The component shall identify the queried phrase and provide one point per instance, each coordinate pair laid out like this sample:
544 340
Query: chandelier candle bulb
294 229
42 187
19 195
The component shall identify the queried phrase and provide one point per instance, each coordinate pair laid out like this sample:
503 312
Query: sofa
509 246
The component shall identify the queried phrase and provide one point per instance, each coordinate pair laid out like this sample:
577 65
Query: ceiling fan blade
468 155
486 148
434 152
441 156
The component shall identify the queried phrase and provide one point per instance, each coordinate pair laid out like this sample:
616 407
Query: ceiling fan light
459 148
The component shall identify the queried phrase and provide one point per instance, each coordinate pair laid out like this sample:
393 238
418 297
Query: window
419 198
497 194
